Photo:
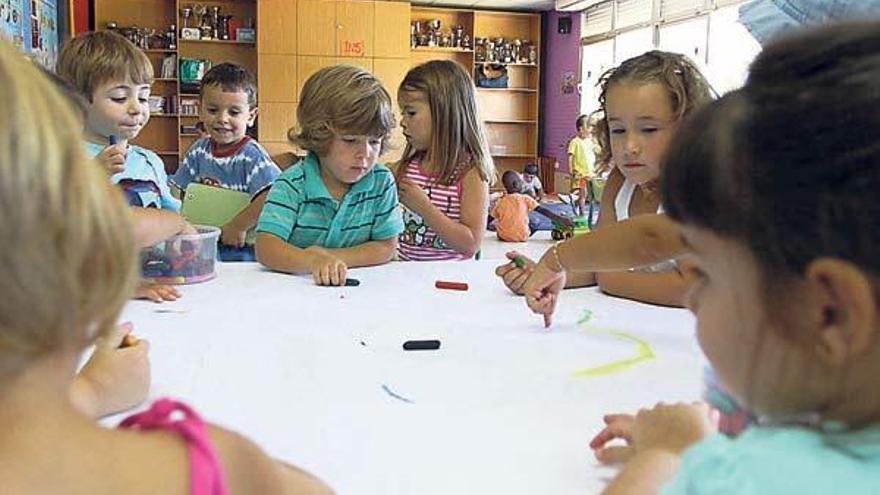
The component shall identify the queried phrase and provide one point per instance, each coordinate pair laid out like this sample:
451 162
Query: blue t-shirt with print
144 181
246 167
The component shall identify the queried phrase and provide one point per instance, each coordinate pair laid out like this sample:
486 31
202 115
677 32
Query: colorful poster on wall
44 31
32 25
12 22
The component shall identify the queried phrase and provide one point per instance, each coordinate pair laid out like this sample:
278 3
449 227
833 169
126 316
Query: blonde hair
458 130
687 87
70 259
91 59
341 99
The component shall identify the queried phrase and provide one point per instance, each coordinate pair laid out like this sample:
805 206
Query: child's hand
616 426
231 235
326 268
112 158
114 378
542 288
674 427
412 196
514 275
156 292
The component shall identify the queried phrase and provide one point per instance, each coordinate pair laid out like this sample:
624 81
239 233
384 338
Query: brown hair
450 94
91 59
74 260
341 99
232 77
687 89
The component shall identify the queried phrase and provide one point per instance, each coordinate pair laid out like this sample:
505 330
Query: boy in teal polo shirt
337 207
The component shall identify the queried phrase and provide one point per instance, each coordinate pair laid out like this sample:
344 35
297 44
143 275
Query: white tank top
621 208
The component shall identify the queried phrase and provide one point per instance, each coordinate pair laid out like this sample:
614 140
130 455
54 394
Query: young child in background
643 101
582 163
63 287
531 183
228 158
786 270
337 208
511 212
114 76
446 169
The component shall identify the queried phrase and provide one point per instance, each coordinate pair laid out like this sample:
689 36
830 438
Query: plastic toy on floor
183 259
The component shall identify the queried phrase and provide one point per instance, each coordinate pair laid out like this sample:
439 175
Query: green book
209 205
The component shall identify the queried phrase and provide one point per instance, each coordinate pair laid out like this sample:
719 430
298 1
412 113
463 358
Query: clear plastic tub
183 259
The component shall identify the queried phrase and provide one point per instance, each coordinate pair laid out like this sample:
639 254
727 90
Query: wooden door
276 26
391 29
354 36
316 27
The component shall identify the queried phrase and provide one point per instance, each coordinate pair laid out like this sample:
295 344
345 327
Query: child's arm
276 254
465 236
656 439
665 288
113 379
366 254
247 469
235 231
152 226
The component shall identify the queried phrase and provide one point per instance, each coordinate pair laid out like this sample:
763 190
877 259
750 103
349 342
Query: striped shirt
419 242
300 210
246 167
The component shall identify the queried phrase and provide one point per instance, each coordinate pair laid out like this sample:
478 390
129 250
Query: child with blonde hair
64 285
642 103
114 78
446 169
337 208
786 279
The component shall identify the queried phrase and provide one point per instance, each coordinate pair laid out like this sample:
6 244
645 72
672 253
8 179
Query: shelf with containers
501 44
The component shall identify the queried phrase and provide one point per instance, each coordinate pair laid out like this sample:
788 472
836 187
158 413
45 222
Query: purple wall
560 110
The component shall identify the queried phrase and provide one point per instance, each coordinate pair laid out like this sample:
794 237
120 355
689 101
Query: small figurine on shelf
185 13
171 37
466 42
215 22
457 34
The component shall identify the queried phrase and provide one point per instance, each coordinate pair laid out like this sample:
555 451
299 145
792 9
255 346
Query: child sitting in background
785 279
63 286
531 183
446 169
114 78
337 208
228 158
511 212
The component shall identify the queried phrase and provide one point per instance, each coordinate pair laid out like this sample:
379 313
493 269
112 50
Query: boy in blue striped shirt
227 157
337 207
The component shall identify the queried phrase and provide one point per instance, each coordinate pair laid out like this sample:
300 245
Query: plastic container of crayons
183 259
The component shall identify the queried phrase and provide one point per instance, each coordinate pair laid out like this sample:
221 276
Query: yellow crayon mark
643 352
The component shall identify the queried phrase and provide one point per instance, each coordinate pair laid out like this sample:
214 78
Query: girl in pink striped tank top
444 177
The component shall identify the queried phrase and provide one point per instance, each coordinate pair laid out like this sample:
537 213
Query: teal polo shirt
300 210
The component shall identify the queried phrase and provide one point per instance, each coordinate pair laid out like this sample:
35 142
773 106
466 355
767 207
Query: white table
497 409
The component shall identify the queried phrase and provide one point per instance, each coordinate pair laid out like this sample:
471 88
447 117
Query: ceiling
491 4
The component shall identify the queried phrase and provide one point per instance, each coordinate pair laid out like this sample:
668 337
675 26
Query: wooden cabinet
342 28
391 30
369 34
278 27
164 132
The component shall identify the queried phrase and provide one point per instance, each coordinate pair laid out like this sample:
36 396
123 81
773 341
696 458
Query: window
615 30
597 58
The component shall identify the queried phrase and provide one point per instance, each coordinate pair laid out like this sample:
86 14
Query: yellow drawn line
643 352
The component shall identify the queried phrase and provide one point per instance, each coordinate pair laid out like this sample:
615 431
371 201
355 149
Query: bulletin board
35 27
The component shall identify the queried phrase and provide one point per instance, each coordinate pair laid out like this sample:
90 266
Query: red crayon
442 284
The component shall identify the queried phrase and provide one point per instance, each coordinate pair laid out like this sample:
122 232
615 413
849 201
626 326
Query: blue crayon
112 139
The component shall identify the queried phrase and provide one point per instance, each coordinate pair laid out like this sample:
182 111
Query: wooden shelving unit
510 114
162 133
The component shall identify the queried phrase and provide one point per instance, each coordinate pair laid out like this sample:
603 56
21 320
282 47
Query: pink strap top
206 478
